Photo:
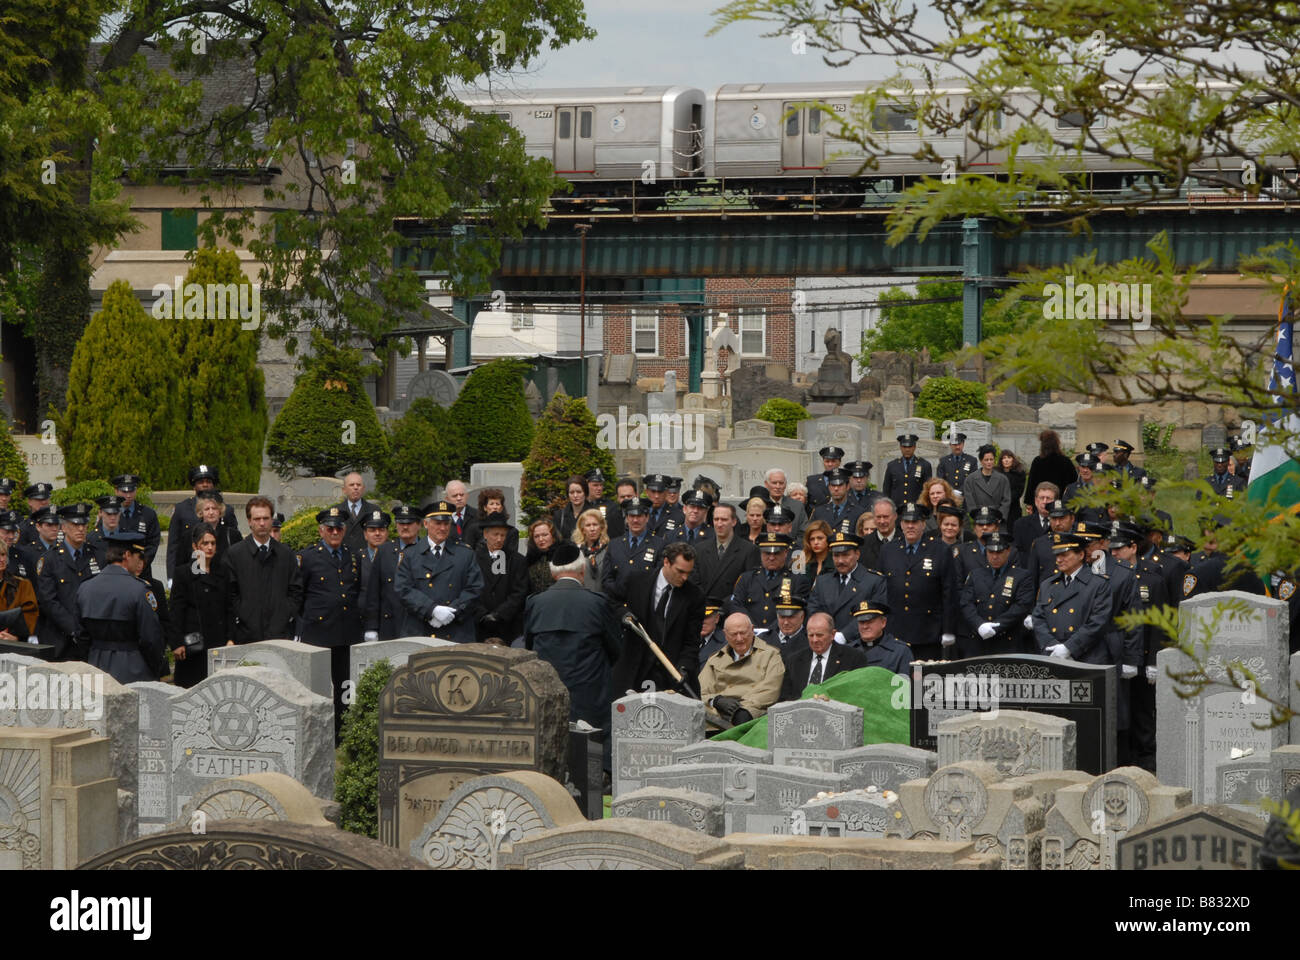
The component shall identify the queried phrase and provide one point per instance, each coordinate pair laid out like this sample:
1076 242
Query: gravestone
250 720
711 778
760 798
859 853
720 751
853 813
745 463
1018 436
1016 742
58 798
855 436
923 427
620 367
895 404
587 769
1295 697
78 696
1284 771
1193 735
1214 435
438 385
154 793
307 664
507 477
978 432
664 455
1088 820
1199 837
489 813
621 843
971 800
753 430
701 812
1084 693
461 712
647 728
809 733
396 652
255 796
885 766
1243 783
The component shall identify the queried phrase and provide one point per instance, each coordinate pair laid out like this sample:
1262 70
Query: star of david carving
233 724
1080 690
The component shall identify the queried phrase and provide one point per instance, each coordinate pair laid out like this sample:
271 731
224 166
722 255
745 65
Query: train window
584 124
814 120
792 125
1074 120
894 118
566 124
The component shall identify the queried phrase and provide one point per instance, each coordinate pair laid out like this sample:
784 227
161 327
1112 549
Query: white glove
1151 675
1059 651
1127 672
1029 622
948 639
297 639
169 583
370 636
987 630
442 616
760 631
839 637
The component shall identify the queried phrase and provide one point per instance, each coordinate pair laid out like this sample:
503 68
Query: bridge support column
976 263
465 310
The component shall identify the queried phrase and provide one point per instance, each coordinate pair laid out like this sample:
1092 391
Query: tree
908 324
121 412
563 446
951 398
493 413
12 463
328 424
222 389
426 450
785 414
357 788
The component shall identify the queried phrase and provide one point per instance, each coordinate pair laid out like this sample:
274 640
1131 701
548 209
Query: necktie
335 554
262 552
816 676
76 555
911 549
355 508
662 609
784 639
844 579
839 508
437 551
722 549
459 519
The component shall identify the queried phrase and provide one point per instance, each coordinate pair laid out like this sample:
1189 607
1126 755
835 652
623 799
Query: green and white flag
1277 447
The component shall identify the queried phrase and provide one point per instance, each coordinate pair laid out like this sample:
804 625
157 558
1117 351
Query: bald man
744 678
463 515
356 509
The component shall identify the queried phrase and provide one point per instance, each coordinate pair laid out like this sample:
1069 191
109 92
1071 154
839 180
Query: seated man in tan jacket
744 678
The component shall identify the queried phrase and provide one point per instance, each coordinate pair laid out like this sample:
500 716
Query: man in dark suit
463 517
330 610
840 512
995 599
356 508
818 491
1072 613
637 551
818 659
136 516
1034 525
922 589
607 506
956 466
263 581
905 475
720 562
840 595
756 590
383 607
439 582
886 531
185 518
670 609
505 582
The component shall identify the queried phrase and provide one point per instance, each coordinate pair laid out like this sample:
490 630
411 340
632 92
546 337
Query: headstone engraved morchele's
1242 783
1198 837
396 652
701 812
621 843
250 720
489 813
77 696
761 798
853 813
647 728
720 751
461 712
254 796
438 385
1084 693
1194 734
1016 742
307 664
885 766
58 800
1088 820
154 795
809 733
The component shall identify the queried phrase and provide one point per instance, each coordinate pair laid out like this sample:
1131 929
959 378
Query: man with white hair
775 483
744 678
463 516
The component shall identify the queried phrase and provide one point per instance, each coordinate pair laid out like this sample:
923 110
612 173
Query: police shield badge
1189 584
1286 590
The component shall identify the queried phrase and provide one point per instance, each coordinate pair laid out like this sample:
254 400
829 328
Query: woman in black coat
1050 466
1010 465
198 608
566 517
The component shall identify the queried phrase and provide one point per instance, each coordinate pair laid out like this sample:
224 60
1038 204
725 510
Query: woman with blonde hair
754 509
591 534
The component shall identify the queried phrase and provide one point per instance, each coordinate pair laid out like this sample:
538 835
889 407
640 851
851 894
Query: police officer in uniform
439 581
971 556
1039 560
185 517
38 498
995 599
756 591
1210 571
818 489
109 521
840 512
695 514
330 615
382 605
635 552
839 595
1148 592
790 635
881 647
609 509
1088 465
1241 462
59 574
712 636
136 516
665 518
957 465
1120 465
1221 481
22 561
922 587
1072 612
119 614
6 494
859 481
905 475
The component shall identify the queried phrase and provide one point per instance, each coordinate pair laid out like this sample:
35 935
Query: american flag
1281 381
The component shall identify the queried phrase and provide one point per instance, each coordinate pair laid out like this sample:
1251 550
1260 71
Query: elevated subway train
763 139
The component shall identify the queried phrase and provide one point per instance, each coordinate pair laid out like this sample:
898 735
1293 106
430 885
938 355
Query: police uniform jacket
623 560
903 481
971 556
1077 615
755 594
712 644
922 593
1220 483
58 578
754 680
841 600
956 468
840 658
888 652
678 635
451 580
22 563
180 547
382 606
263 595
1172 570
29 537
330 613
1001 597
576 632
819 491
1129 471
1148 591
1210 572
1125 645
141 519
697 538
1090 514
119 614
716 575
1038 560
503 593
843 517
666 521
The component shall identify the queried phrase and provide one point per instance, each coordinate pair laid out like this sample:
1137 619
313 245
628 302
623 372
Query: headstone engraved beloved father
461 712
1084 693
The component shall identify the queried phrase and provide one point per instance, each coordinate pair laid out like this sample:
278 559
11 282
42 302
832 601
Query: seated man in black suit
819 659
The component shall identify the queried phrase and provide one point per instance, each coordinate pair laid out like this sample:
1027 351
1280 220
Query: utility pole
582 229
